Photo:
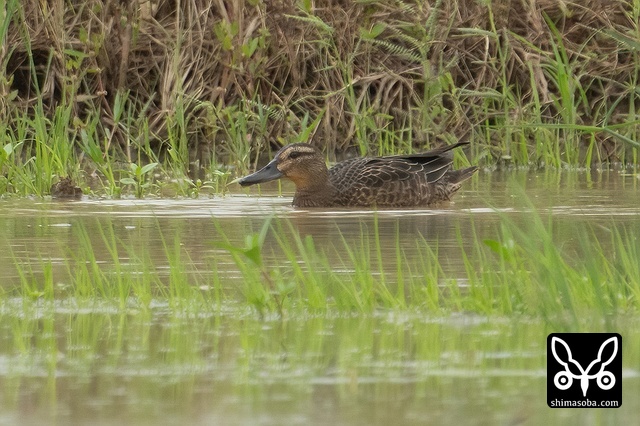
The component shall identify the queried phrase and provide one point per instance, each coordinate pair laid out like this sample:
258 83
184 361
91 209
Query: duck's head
300 162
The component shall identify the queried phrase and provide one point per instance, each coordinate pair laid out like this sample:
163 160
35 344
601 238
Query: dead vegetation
341 73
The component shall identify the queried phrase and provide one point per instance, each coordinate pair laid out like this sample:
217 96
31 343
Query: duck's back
397 181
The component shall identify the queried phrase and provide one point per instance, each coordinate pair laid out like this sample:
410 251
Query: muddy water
130 367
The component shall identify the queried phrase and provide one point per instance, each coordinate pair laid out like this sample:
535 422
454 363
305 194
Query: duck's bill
265 174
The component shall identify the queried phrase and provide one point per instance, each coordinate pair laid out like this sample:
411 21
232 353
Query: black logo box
584 370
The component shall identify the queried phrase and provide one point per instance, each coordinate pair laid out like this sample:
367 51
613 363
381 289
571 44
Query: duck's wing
435 162
442 150
385 181
400 180
379 171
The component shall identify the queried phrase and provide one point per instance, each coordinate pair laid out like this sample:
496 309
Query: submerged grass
523 272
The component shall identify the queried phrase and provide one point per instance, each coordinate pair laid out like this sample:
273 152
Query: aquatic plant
511 274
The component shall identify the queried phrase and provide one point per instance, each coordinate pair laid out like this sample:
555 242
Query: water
67 363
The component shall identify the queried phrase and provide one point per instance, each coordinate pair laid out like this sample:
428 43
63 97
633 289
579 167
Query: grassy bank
96 90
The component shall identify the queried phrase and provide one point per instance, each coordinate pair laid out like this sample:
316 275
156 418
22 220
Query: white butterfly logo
564 379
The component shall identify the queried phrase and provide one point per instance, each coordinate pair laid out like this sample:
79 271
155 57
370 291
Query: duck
413 180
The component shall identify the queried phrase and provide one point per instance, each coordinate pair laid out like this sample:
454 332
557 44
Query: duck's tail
459 176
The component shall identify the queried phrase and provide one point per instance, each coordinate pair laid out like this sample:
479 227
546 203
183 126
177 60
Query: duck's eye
294 154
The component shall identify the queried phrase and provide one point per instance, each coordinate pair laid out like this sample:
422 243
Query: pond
72 355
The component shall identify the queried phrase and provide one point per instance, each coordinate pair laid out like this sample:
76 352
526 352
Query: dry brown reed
427 70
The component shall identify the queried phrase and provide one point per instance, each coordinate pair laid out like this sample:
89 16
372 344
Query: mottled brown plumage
393 181
65 188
